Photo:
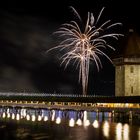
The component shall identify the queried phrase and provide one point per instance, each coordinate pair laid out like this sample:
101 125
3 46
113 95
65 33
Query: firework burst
83 44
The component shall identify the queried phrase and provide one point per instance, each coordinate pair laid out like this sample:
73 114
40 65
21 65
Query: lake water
45 124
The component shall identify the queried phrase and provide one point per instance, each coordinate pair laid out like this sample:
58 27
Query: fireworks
83 44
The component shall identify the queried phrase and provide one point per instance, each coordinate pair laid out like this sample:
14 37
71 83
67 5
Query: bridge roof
70 98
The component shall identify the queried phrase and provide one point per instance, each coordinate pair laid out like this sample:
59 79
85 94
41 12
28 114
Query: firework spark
83 44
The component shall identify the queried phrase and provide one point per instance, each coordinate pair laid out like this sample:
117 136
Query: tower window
131 69
131 90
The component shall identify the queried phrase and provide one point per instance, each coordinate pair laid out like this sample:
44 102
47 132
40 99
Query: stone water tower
127 67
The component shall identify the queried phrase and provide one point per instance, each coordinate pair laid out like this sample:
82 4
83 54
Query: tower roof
130 46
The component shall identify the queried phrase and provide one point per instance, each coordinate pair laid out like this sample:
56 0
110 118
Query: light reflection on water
95 124
53 124
106 129
119 131
126 132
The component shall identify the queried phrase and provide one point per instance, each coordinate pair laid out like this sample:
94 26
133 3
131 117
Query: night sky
26 33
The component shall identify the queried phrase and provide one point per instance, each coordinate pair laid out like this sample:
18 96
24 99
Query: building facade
127 67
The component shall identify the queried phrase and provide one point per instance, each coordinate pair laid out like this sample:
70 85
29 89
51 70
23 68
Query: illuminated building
127 67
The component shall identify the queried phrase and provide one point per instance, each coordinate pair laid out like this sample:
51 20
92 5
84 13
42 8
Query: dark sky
26 32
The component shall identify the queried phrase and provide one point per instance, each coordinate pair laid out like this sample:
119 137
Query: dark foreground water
43 124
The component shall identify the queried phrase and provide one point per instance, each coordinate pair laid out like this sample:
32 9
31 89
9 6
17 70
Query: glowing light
23 112
39 118
33 118
71 122
28 117
13 116
3 115
86 123
8 110
106 129
126 132
79 122
45 118
95 124
85 116
127 105
58 120
53 115
81 45
17 117
119 131
8 115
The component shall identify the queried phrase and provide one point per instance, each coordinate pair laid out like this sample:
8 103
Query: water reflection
45 118
58 120
126 132
53 115
39 117
28 117
13 116
79 122
119 131
122 131
17 116
93 125
71 122
33 118
86 122
106 129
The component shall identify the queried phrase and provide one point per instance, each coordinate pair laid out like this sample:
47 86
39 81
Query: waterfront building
127 66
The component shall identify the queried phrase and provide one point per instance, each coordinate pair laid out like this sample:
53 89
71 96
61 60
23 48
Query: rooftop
130 46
